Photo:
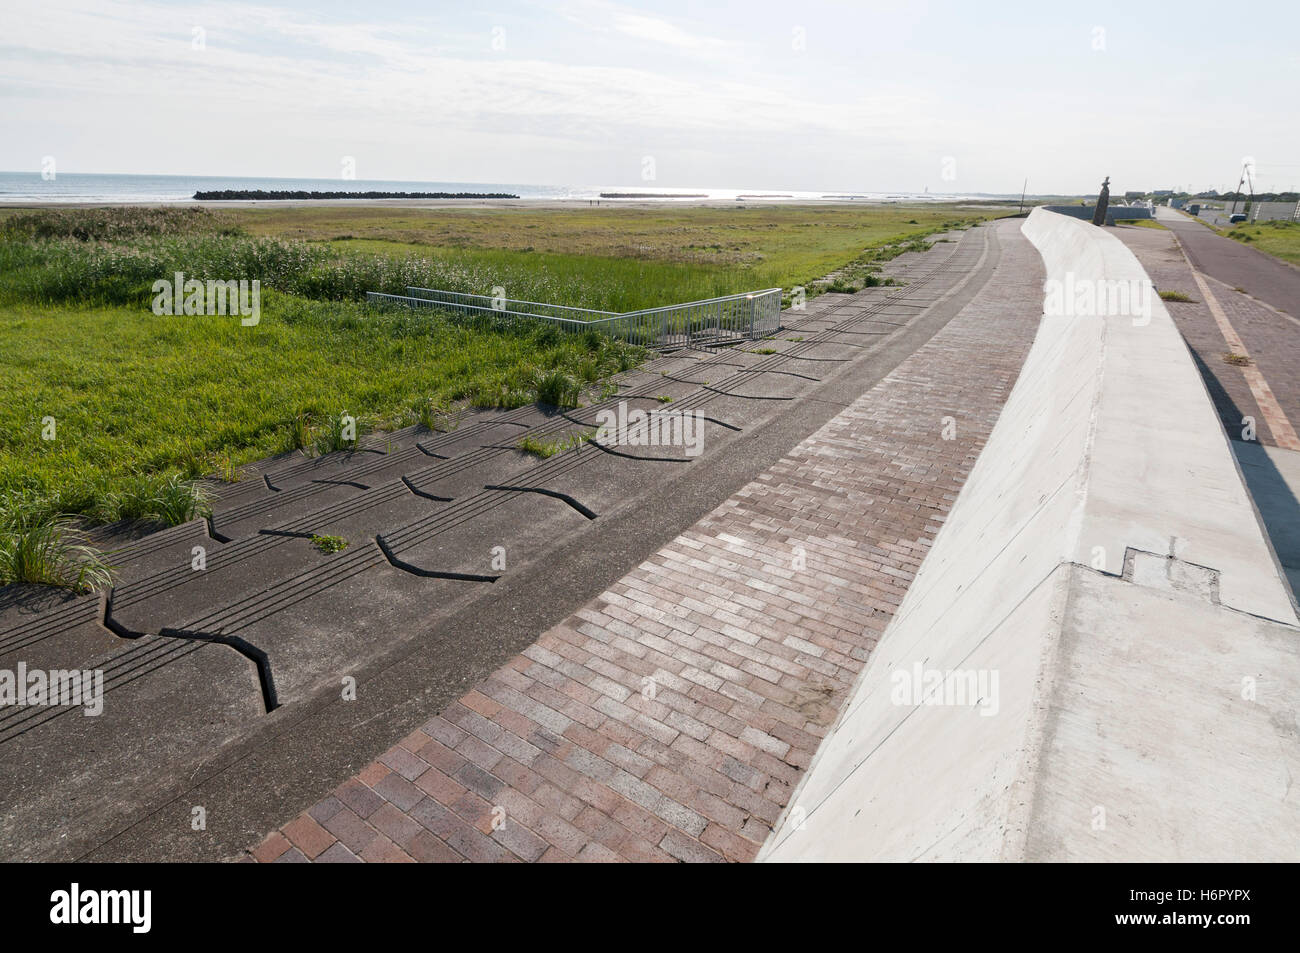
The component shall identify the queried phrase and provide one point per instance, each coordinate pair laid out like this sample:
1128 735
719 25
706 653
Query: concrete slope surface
1098 659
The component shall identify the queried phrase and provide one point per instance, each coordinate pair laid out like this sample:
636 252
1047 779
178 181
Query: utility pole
1245 176
1022 195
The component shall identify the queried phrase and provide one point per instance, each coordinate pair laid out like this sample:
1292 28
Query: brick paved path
1272 340
671 717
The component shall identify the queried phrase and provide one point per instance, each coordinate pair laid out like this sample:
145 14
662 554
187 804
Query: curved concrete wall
1114 213
1104 589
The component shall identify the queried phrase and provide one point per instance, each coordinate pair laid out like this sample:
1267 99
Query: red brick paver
670 718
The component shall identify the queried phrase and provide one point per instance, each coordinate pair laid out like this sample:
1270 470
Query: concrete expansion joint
1168 573
287 533
763 370
261 661
398 563
259 658
214 534
107 620
635 456
1171 574
554 494
415 491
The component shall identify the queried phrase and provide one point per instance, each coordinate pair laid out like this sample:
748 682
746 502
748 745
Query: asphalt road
1240 266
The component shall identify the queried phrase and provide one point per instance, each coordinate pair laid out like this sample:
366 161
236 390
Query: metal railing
539 309
713 322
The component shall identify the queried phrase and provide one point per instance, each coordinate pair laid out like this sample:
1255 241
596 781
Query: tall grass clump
340 432
434 416
168 498
48 550
557 389
298 434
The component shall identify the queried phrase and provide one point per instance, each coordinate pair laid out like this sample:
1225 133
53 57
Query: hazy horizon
338 184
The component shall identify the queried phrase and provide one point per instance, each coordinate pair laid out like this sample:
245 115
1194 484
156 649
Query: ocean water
18 187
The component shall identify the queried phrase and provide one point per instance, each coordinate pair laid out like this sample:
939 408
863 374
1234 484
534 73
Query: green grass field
782 236
1280 239
131 394
610 258
136 400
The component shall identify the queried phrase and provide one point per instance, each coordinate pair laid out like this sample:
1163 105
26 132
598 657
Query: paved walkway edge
1274 416
1098 660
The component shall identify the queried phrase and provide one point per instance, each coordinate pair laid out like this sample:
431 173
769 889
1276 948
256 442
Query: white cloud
364 72
661 31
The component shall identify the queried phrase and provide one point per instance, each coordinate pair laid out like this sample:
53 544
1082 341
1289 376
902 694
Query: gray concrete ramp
70 778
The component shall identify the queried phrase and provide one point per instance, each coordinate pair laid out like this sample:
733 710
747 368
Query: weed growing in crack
329 544
541 447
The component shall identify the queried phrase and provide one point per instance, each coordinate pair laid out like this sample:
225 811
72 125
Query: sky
850 96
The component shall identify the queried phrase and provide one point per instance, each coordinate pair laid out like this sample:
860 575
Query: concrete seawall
1114 213
1101 612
